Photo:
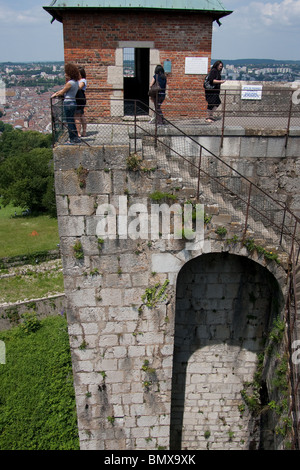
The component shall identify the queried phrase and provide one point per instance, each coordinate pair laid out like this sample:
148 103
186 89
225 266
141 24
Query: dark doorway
136 80
225 306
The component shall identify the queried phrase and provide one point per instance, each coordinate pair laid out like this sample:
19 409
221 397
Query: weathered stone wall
11 314
122 348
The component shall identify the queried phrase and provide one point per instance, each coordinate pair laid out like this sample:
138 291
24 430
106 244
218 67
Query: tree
5 127
26 180
15 141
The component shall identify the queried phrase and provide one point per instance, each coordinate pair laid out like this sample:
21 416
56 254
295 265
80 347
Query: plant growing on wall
155 294
78 250
279 384
82 174
221 231
133 162
159 196
252 246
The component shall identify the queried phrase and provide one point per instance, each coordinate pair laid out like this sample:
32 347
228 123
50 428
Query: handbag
207 85
155 88
80 97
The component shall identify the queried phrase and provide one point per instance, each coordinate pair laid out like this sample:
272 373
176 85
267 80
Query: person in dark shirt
213 96
158 100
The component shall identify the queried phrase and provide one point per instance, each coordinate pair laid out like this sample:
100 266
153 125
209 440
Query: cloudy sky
255 29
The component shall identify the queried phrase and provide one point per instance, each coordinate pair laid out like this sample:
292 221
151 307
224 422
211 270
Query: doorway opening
225 306
136 80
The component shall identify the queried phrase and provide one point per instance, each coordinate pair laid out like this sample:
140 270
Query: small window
128 62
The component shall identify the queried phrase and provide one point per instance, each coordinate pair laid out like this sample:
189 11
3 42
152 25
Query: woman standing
213 96
69 92
81 102
158 100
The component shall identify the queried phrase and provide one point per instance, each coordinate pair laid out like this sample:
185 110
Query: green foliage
159 196
155 294
30 323
26 236
252 246
37 400
280 384
14 142
133 162
26 171
276 334
221 231
82 174
78 250
29 285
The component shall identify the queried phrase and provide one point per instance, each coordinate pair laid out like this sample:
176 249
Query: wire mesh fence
109 119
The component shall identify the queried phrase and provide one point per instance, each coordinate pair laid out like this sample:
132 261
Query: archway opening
225 306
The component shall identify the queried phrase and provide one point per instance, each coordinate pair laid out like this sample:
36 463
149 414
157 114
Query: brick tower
101 36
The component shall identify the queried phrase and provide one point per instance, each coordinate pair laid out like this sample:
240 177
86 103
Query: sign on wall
196 65
251 92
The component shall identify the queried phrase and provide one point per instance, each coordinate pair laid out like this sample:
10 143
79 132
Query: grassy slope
37 404
26 235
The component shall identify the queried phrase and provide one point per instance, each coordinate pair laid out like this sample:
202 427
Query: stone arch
225 306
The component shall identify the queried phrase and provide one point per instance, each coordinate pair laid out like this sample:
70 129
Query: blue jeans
70 108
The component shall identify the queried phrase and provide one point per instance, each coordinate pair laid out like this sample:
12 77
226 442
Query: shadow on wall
225 306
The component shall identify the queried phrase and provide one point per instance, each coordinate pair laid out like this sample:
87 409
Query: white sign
251 92
2 92
196 65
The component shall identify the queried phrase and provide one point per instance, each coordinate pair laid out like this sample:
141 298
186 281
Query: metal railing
258 211
278 109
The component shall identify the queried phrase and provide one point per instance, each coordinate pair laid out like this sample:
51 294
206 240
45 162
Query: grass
37 400
26 235
31 285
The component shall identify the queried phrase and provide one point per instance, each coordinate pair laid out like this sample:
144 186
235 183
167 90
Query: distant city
28 90
261 70
30 85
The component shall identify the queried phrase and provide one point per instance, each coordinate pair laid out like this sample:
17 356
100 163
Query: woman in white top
80 119
69 92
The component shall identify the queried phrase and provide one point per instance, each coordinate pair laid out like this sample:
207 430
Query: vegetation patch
31 285
37 400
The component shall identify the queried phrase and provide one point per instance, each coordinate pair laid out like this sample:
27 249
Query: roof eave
57 13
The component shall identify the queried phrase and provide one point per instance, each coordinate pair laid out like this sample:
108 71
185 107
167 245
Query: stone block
165 262
62 205
79 298
81 205
71 226
111 296
231 147
66 183
98 182
255 147
276 147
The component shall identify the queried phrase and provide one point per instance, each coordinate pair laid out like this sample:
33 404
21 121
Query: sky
255 29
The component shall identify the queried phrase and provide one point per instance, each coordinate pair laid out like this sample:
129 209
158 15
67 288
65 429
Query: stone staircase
223 208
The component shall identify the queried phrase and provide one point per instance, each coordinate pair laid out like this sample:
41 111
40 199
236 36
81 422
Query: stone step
226 209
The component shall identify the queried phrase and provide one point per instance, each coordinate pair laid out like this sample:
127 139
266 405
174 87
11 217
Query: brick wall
91 39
